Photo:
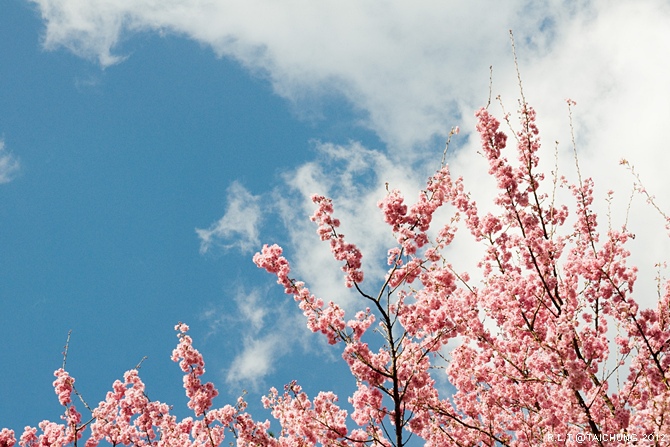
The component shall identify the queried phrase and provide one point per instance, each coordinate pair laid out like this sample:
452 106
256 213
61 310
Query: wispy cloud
239 225
9 165
256 361
265 333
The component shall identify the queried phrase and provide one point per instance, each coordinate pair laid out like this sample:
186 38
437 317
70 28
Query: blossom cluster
127 416
327 320
191 362
534 358
342 251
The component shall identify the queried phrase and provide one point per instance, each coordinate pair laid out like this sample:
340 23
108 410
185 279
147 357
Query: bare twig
516 65
452 132
488 103
139 365
67 346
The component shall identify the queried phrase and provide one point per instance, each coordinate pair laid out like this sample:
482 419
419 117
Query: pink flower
7 438
63 386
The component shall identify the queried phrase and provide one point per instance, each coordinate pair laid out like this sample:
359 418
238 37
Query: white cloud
239 225
255 361
9 165
265 332
249 312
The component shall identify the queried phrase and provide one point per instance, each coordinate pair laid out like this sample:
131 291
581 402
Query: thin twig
488 103
452 132
516 65
139 365
574 144
67 346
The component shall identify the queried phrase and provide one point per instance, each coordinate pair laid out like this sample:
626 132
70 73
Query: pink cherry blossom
7 438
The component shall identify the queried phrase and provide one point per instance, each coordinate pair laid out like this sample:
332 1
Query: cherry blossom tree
527 345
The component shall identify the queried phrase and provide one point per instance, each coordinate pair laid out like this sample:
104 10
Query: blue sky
149 149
